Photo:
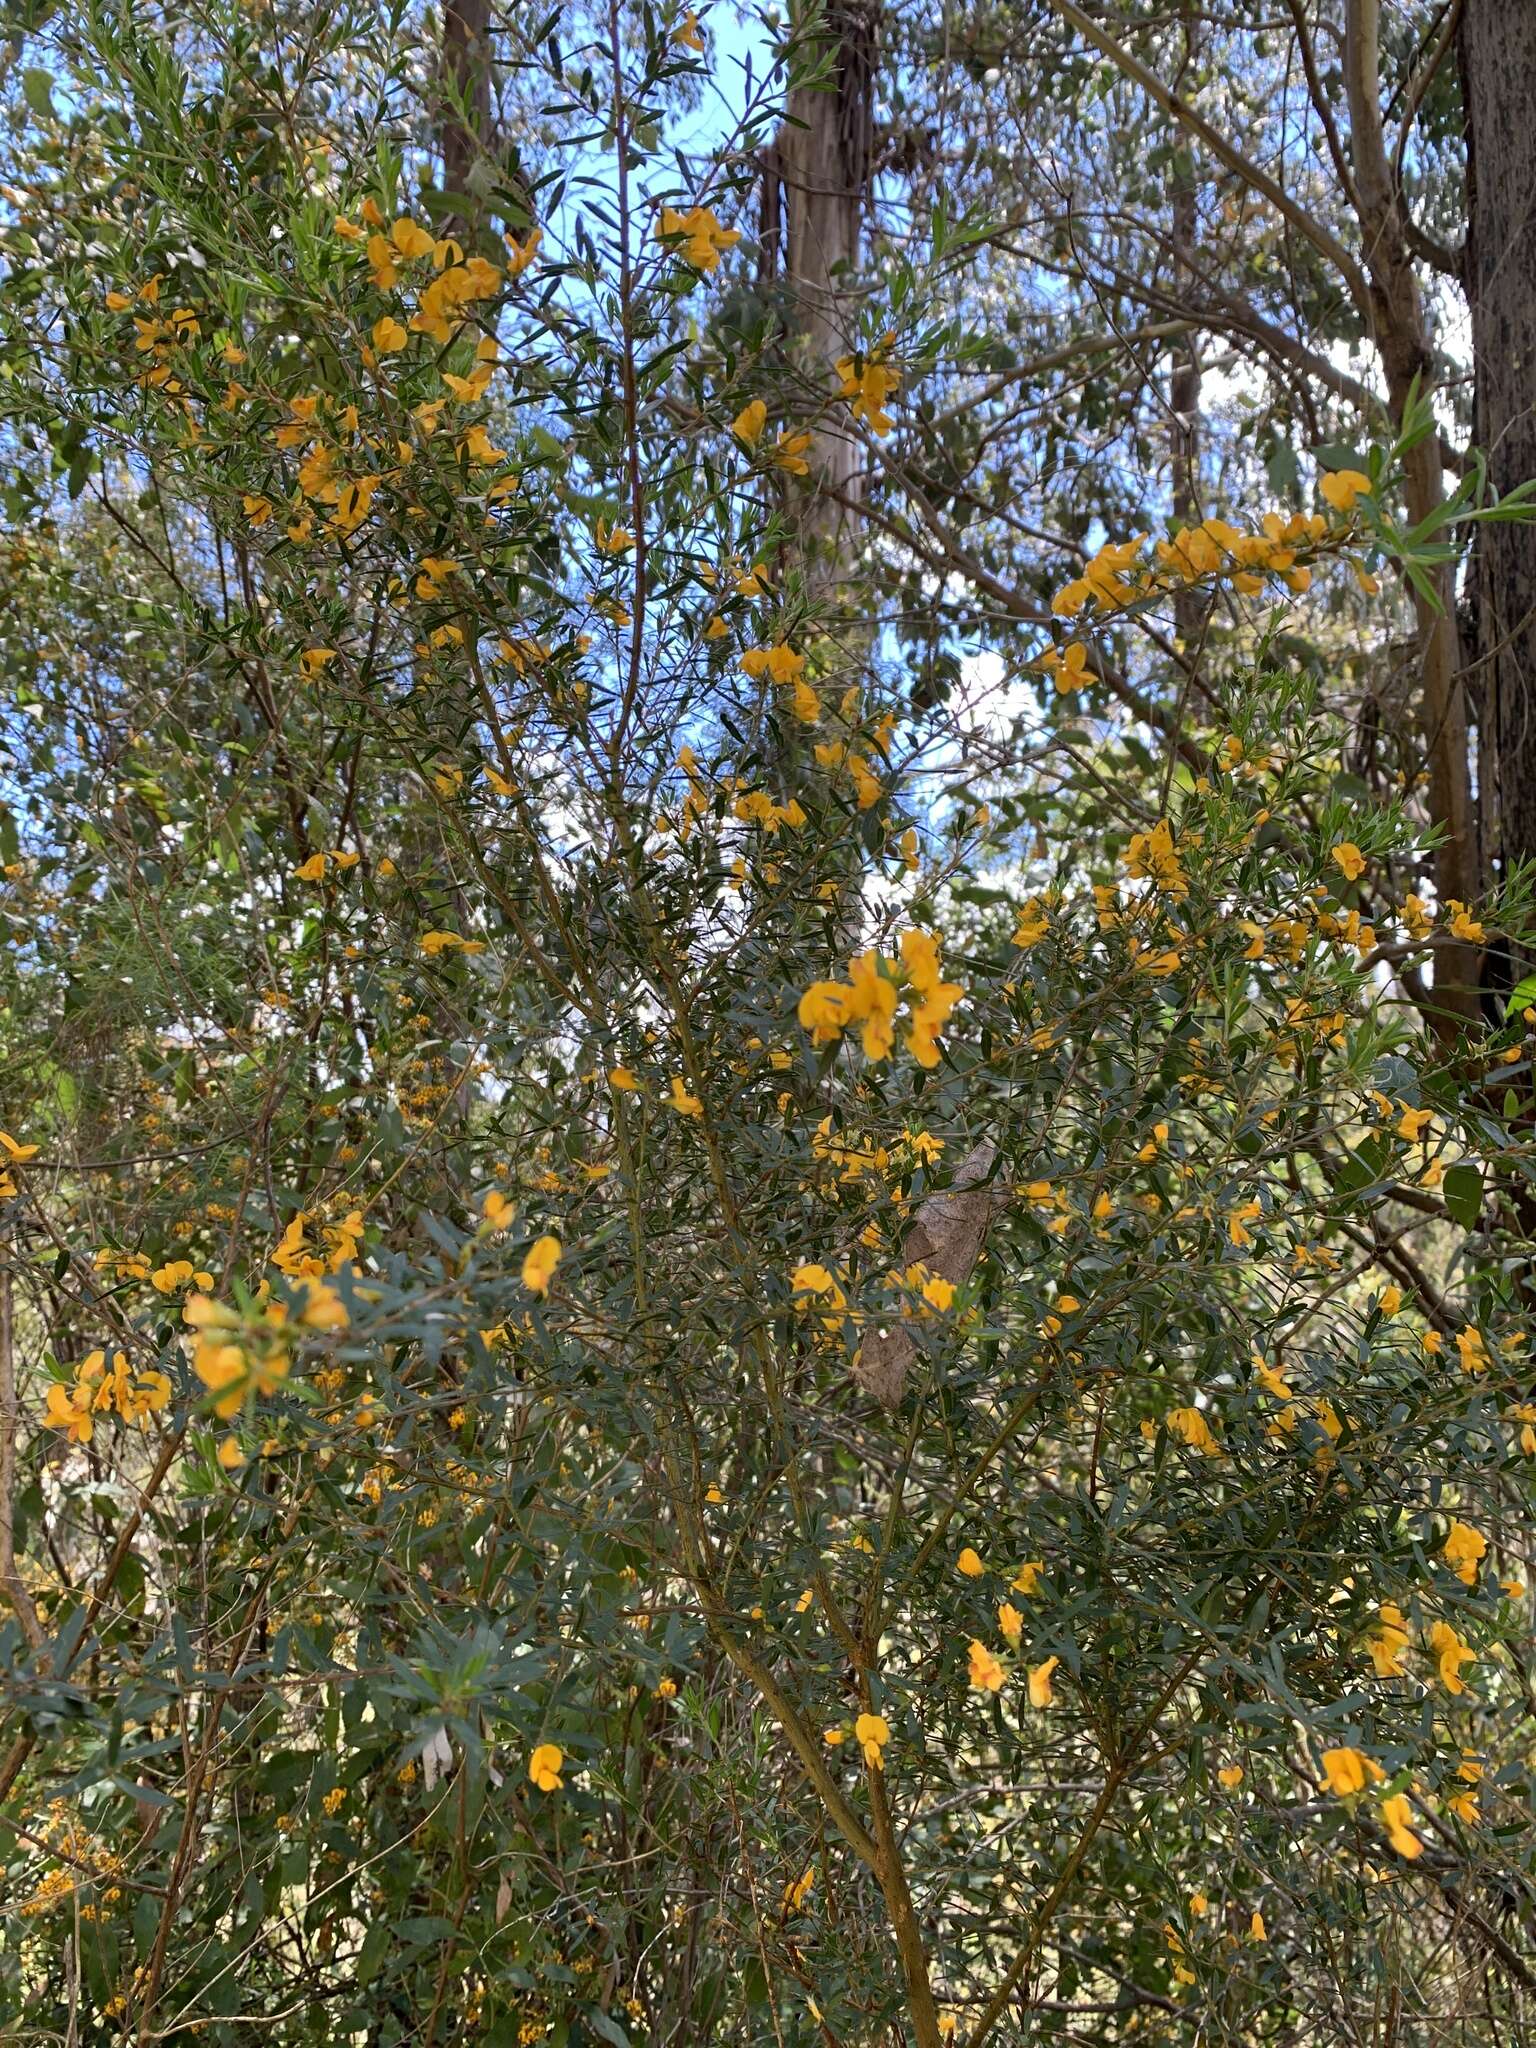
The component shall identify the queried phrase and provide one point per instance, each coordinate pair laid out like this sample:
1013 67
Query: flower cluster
102 1389
239 1357
870 996
1118 576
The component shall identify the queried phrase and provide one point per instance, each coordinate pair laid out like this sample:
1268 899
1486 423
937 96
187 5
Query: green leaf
1282 469
1464 1195
37 91
373 1951
606 2029
1521 996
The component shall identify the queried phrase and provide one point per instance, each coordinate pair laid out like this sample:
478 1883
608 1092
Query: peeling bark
947 1235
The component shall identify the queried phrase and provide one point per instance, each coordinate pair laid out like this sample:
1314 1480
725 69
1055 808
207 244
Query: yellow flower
389 337
1068 668
1396 1814
1027 1578
679 1099
702 235
1342 486
1391 1300
539 1264
780 663
1238 1219
622 1079
479 447
872 1733
805 704
234 1361
1349 860
544 1767
148 1393
1191 1427
788 453
1011 1622
968 1564
1040 1694
1389 1641
1230 1776
1474 1353
936 997
413 242
178 1273
311 870
936 1290
497 1210
1464 1550
434 943
1152 856
872 1000
987 1673
1031 927
16 1152
750 421
867 388
1256 1927
816 1281
868 998
69 1409
1450 1654
1464 925
1412 1125
433 575
523 253
1347 1771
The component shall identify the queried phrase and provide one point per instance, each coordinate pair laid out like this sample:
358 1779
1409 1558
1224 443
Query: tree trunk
1184 382
1401 335
815 193
1498 73
822 160
466 114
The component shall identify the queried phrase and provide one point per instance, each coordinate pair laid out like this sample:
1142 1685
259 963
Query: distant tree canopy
768 1159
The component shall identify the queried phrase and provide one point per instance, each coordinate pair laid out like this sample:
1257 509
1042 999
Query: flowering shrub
759 1384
